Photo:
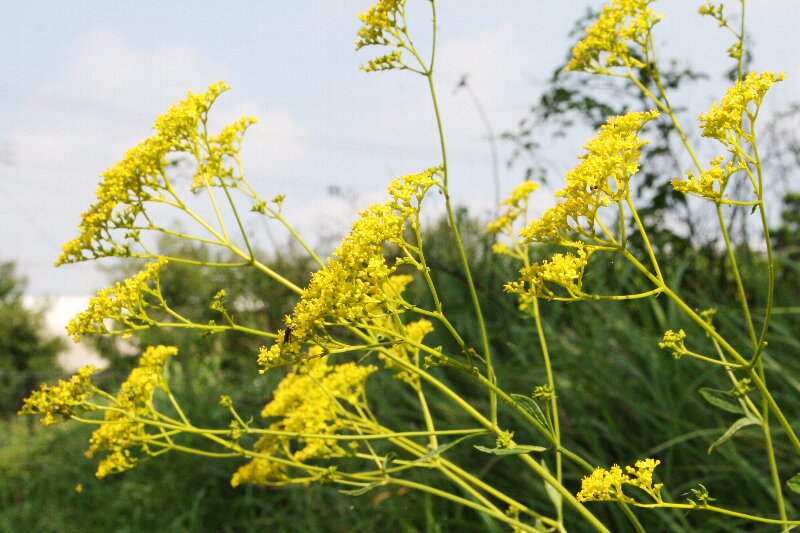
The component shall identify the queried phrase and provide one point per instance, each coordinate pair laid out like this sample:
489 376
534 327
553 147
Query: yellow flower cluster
142 175
724 120
382 27
120 431
355 286
601 178
710 183
380 20
606 44
57 403
309 401
516 206
606 485
674 340
564 270
124 303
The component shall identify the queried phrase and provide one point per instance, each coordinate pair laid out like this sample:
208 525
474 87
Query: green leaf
736 426
723 400
552 493
519 449
794 483
362 490
444 447
532 407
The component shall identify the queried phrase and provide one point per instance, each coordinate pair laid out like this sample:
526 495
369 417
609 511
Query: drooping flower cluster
608 41
309 401
355 286
109 226
121 433
607 485
710 183
564 270
724 120
383 24
124 303
57 403
601 178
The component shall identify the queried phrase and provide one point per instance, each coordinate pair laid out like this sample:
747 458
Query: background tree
27 353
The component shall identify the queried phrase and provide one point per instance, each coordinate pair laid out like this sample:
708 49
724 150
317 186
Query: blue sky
84 80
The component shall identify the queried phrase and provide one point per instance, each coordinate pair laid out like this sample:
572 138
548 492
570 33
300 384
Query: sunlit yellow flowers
724 121
710 183
607 42
124 303
109 227
57 403
383 25
601 178
352 289
607 485
123 430
311 402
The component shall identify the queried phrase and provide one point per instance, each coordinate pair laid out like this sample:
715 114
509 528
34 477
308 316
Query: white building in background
57 313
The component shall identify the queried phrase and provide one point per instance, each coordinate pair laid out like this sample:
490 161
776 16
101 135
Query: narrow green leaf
552 493
794 483
520 449
444 447
362 490
532 407
736 426
722 399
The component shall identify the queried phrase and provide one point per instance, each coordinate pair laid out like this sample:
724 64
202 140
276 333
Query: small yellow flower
608 42
125 303
724 120
565 270
57 403
674 341
308 401
710 183
107 228
383 27
121 432
601 178
607 485
356 285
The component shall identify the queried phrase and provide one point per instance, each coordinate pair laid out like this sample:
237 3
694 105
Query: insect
287 334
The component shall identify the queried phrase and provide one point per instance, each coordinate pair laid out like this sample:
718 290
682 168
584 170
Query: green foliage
27 353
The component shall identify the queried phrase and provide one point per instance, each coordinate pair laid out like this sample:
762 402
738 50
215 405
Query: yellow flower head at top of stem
121 432
606 44
57 403
123 303
601 178
311 400
564 270
108 226
606 484
382 27
356 286
724 120
516 206
675 341
710 183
